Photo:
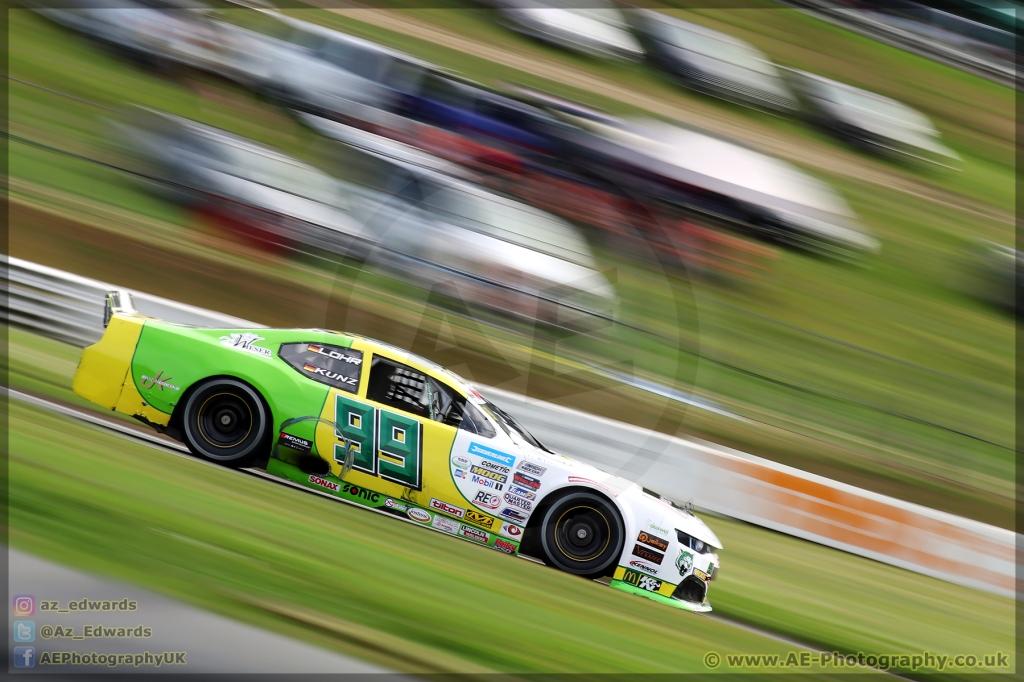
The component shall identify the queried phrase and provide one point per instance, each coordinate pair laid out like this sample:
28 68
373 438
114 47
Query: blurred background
787 228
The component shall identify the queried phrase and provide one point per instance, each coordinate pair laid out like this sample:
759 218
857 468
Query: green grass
404 597
320 570
900 305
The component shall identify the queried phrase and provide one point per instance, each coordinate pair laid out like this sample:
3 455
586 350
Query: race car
377 426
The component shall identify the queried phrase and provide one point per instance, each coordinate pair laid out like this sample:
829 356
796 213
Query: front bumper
674 602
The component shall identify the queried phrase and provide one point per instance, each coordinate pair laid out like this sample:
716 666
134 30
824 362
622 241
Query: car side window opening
404 388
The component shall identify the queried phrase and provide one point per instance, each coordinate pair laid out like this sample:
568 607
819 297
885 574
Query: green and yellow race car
377 426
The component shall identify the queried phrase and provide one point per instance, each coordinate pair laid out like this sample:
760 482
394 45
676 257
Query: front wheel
582 533
225 421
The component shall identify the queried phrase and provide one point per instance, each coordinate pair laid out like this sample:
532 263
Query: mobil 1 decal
383 443
332 365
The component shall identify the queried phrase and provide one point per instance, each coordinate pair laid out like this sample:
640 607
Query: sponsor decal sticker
445 524
295 443
486 482
654 526
701 574
461 462
511 531
531 468
640 566
526 481
580 479
244 342
513 514
417 514
324 483
644 582
336 354
485 473
493 455
474 534
652 541
501 469
503 546
159 380
449 509
480 519
522 492
328 374
396 505
486 499
459 473
517 501
684 562
648 554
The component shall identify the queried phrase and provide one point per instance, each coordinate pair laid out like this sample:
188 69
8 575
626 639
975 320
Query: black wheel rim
224 420
582 533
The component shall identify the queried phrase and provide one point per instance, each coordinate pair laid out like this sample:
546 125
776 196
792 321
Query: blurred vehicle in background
597 29
164 34
444 232
258 192
712 62
673 169
870 121
989 272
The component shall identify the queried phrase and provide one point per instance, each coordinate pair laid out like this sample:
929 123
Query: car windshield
712 46
507 423
287 176
511 222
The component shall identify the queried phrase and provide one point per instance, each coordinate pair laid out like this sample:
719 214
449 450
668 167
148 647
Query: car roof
417 362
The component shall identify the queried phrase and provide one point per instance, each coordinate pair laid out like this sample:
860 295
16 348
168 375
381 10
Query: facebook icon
24 657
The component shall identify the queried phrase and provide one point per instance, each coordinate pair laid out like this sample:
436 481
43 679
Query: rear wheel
225 421
582 533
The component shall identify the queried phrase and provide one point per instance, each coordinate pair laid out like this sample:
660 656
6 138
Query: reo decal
323 483
417 514
648 554
526 481
644 582
531 468
652 541
517 501
503 546
480 519
475 535
450 509
445 524
493 455
486 499
493 475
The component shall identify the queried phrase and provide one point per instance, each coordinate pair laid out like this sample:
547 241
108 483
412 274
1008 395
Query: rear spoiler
118 301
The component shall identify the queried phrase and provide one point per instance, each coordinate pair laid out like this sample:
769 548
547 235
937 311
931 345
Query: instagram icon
24 605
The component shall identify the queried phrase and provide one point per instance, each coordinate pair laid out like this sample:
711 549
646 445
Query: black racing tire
582 533
226 421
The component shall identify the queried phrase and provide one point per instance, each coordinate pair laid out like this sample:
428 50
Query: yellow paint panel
131 402
106 364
